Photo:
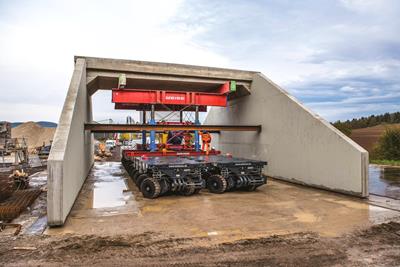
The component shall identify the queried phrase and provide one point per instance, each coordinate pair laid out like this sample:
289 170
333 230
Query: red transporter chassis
145 153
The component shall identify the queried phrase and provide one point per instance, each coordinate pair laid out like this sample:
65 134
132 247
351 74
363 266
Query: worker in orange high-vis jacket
206 141
187 140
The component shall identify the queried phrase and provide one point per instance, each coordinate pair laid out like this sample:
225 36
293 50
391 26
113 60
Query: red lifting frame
143 96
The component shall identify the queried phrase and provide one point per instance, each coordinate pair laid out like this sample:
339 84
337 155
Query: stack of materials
17 203
34 134
6 187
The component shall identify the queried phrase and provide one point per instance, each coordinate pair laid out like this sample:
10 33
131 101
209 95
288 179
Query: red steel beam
143 96
158 107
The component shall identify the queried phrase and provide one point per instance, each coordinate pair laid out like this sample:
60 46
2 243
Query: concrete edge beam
121 65
101 80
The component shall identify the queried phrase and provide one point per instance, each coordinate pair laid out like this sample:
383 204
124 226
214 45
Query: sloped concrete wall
299 145
71 156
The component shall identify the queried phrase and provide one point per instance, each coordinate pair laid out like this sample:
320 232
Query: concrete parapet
71 156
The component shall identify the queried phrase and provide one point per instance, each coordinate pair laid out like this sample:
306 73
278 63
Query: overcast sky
341 58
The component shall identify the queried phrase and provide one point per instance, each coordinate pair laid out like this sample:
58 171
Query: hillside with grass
378 134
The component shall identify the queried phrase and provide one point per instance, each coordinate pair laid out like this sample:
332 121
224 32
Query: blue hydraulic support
153 146
144 132
196 133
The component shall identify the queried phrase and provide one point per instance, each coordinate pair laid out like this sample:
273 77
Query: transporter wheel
164 186
140 179
216 184
133 175
188 190
124 162
131 170
150 188
136 175
231 183
205 175
250 188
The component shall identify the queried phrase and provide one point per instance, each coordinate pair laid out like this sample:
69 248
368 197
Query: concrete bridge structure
299 146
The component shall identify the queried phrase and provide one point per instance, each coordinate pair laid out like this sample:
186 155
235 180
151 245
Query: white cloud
337 53
368 6
39 39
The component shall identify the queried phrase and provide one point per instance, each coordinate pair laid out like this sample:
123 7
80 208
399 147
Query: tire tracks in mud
377 245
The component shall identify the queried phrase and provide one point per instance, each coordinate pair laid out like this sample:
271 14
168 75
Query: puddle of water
380 215
108 194
38 227
384 181
109 187
38 179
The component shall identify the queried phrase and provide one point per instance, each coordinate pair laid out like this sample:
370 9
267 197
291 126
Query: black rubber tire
140 179
165 187
133 175
136 175
188 190
250 188
150 188
124 162
196 191
231 183
131 170
216 184
205 175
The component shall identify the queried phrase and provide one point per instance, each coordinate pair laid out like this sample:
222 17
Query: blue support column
153 146
196 133
144 132
143 138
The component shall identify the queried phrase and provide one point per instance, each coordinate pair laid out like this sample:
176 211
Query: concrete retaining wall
298 145
71 156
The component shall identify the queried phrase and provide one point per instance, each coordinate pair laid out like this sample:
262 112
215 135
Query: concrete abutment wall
71 155
299 145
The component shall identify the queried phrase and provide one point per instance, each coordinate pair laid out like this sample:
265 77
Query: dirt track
378 245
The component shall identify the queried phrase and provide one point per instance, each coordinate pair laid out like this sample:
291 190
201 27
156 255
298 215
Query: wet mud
111 202
377 245
279 224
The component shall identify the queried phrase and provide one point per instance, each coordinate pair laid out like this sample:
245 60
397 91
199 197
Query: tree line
364 122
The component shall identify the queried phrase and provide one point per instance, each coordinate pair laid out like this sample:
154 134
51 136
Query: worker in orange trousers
206 141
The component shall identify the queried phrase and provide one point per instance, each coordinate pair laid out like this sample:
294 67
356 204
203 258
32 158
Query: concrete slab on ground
110 204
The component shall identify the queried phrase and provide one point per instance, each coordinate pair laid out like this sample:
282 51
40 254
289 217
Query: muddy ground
378 245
